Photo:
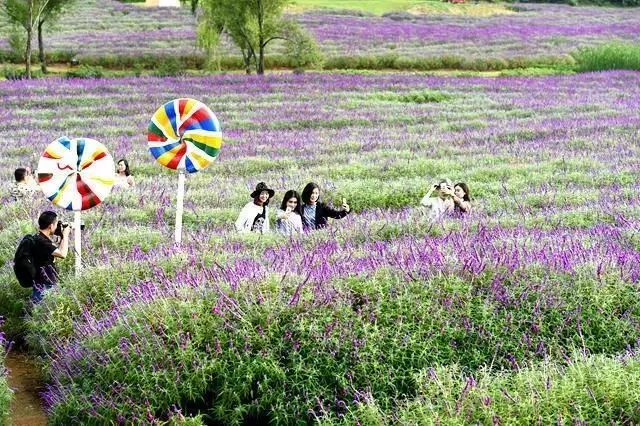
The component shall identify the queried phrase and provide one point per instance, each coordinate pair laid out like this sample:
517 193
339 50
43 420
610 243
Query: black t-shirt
43 249
258 222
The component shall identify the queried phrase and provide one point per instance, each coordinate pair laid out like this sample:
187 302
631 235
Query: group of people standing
297 213
302 213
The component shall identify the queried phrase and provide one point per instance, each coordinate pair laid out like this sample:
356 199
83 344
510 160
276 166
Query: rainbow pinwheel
76 174
184 135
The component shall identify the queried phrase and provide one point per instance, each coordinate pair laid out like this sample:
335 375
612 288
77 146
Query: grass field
525 309
477 37
380 7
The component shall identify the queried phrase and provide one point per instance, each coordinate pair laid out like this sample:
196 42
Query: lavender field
542 33
526 310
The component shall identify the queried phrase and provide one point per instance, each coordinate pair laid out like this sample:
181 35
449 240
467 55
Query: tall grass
610 56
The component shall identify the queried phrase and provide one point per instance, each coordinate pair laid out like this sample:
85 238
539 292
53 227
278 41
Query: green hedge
611 56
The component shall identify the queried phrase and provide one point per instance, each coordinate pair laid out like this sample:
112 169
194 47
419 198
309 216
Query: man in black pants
44 252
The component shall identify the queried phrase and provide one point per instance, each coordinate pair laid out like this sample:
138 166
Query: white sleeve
243 217
427 201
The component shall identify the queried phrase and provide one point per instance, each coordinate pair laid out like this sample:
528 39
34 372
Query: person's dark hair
127 172
20 174
46 219
465 188
287 196
306 192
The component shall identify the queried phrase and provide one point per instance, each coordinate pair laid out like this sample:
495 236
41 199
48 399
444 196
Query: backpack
23 263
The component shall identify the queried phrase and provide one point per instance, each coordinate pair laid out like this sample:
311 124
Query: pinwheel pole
180 206
77 233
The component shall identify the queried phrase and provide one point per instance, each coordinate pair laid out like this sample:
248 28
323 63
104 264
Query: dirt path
24 379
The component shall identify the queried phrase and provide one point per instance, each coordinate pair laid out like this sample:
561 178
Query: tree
25 13
252 25
51 13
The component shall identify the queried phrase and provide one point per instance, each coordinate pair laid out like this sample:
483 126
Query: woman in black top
315 213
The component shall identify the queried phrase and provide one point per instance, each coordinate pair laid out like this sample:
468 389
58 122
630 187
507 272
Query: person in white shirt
440 205
289 216
25 185
254 216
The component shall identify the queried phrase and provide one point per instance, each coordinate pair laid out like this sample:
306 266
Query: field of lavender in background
108 28
526 310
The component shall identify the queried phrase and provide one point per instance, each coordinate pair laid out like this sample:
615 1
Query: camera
62 225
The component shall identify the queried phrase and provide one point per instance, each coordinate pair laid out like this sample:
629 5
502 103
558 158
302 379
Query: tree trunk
260 68
246 58
28 53
29 37
260 62
43 62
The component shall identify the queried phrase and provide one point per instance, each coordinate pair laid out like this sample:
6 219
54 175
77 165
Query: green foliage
5 392
253 26
12 73
417 97
608 57
592 389
170 67
277 361
394 61
303 50
85 71
17 40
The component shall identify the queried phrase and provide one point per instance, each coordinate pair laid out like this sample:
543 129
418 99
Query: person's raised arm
425 200
63 248
333 213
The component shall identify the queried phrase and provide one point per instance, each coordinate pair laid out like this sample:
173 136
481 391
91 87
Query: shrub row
284 352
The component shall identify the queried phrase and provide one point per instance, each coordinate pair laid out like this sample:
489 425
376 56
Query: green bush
417 97
85 71
170 67
594 389
238 361
608 57
12 73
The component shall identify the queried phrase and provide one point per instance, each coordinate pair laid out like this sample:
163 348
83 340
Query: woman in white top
442 203
254 216
123 175
289 216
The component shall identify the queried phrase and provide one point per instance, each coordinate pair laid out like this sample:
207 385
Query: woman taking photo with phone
315 213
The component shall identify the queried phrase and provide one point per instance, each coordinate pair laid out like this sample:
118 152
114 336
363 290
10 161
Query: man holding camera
443 203
45 251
